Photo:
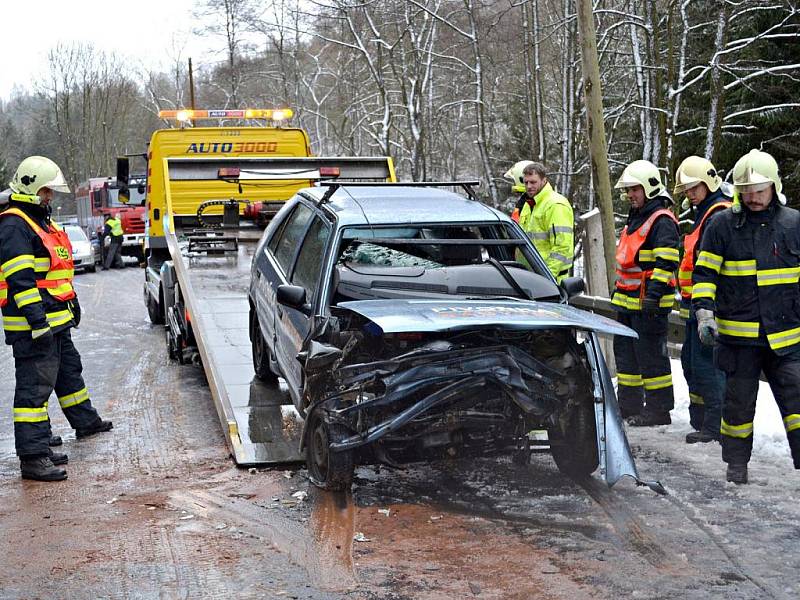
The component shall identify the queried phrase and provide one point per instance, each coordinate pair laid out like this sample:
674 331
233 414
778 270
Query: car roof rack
332 186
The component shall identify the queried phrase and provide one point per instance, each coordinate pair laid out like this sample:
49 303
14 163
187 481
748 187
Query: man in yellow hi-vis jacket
547 218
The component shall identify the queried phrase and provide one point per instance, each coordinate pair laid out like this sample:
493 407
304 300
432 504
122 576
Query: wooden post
594 269
597 134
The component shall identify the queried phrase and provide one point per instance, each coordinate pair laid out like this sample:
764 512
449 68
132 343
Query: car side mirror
293 296
573 286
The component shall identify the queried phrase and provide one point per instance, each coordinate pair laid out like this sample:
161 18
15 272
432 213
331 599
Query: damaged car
415 323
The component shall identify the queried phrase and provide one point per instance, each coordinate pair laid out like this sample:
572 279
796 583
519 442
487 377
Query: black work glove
76 311
650 306
42 338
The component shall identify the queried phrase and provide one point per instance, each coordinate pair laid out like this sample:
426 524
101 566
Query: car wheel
327 469
261 354
172 347
91 269
573 440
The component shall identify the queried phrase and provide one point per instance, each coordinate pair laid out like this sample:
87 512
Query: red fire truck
99 196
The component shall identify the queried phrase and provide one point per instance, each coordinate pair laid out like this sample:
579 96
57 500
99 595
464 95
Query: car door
292 325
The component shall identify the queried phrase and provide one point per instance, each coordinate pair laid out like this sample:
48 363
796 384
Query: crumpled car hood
398 316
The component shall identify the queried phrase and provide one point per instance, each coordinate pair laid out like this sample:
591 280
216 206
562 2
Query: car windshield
75 234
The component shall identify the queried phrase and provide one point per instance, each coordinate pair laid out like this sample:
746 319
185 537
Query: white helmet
645 174
514 176
33 174
756 170
694 170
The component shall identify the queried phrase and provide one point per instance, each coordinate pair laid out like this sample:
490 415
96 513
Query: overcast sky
142 31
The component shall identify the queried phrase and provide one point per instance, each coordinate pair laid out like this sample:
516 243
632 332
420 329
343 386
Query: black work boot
58 458
41 468
702 437
98 427
55 440
650 418
737 473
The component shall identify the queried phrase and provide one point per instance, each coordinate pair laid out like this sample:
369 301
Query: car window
309 262
76 234
288 239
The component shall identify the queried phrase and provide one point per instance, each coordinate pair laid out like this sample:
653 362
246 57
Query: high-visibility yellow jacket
114 227
549 223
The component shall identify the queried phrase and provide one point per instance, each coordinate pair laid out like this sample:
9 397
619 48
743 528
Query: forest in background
451 89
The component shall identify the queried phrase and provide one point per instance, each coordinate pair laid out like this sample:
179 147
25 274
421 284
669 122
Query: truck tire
261 354
326 469
573 440
153 310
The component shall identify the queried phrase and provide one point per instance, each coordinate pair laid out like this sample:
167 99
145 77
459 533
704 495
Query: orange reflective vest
689 244
60 271
629 274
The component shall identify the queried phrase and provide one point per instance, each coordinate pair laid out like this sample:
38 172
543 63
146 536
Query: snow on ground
769 438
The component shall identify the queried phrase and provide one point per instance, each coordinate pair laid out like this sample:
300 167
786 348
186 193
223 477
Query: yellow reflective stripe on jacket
27 297
74 399
683 313
647 255
657 383
791 422
695 399
629 380
789 275
704 290
738 268
60 289
666 253
61 274
661 275
667 300
41 265
781 339
738 431
538 235
562 228
747 329
18 263
709 260
54 319
30 415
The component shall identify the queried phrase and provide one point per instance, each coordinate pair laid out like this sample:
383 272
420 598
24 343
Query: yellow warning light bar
276 114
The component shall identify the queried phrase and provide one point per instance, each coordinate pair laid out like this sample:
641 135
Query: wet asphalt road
156 509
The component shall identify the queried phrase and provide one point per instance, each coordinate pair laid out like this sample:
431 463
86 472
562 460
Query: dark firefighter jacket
24 260
747 271
659 254
704 212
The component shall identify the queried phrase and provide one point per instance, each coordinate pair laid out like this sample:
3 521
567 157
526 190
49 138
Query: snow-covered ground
769 438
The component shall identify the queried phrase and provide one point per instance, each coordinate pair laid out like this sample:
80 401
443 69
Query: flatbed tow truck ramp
211 270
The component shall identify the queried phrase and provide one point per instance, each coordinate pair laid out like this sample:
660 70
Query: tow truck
209 192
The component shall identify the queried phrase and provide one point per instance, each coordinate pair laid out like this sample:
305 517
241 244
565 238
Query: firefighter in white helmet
746 296
646 260
39 309
515 177
546 217
698 180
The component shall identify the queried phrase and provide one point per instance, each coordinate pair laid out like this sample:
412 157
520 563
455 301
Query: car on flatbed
414 323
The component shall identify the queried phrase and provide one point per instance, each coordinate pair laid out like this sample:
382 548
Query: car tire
328 470
573 440
91 269
261 354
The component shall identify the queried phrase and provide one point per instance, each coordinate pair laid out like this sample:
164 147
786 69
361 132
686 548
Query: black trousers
114 255
643 369
742 366
40 370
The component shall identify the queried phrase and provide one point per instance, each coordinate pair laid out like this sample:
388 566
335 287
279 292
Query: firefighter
39 308
113 228
515 176
746 297
698 180
647 256
546 216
